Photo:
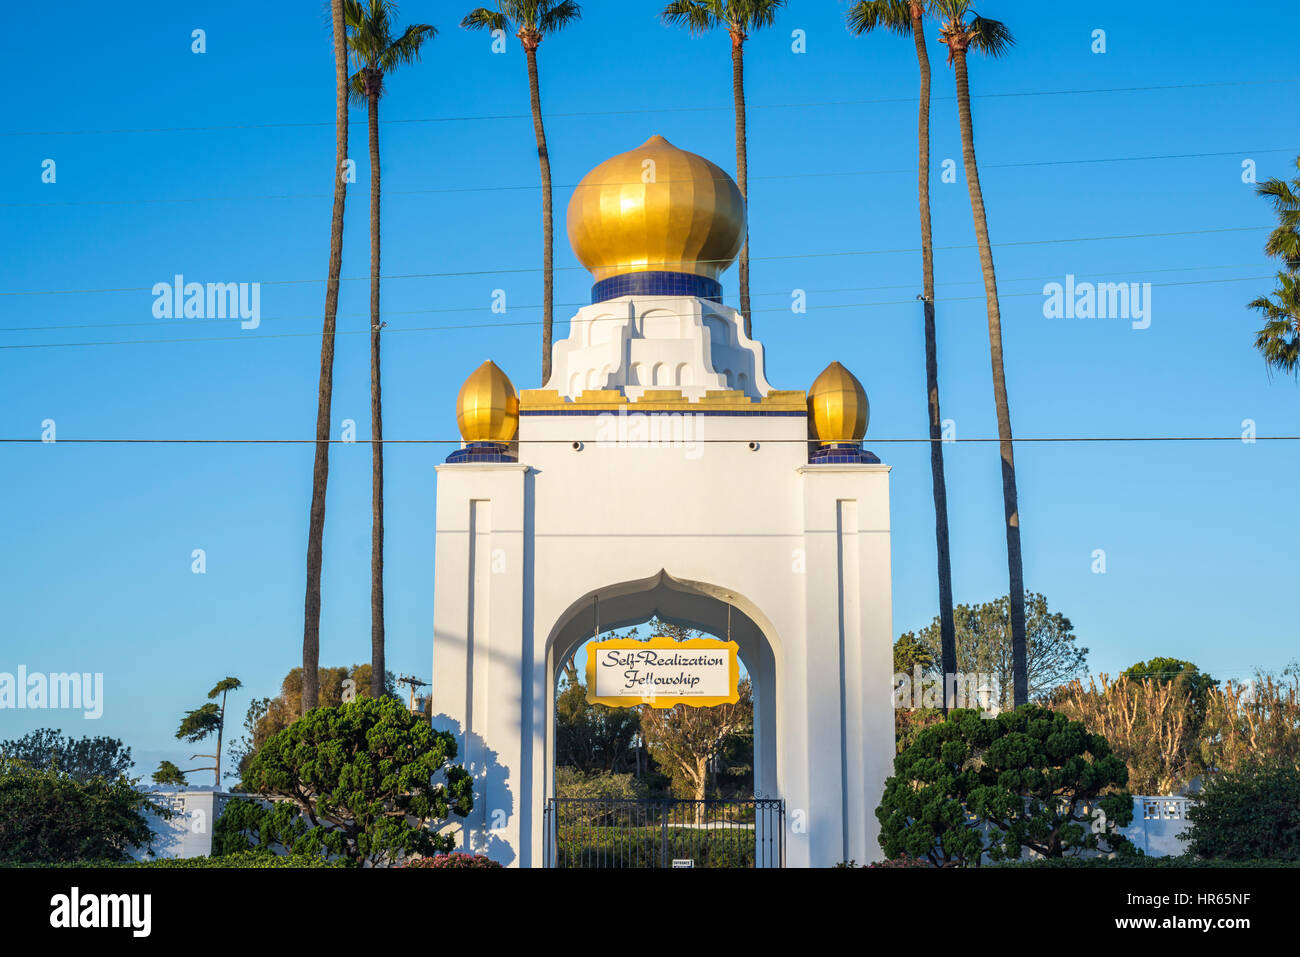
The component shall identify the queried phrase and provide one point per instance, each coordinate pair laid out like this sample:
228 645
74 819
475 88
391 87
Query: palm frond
698 16
556 17
756 14
357 88
1279 341
866 15
484 19
406 48
952 10
990 37
1283 196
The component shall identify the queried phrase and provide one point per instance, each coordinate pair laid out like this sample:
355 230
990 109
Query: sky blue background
95 540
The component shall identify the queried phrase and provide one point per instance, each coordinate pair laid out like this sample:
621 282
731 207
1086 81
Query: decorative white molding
635 343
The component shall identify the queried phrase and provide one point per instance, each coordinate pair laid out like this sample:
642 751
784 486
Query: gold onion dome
837 406
656 208
487 409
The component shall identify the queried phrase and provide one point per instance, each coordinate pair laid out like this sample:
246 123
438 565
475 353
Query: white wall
189 831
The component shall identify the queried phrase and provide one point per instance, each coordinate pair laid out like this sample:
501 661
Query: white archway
699 605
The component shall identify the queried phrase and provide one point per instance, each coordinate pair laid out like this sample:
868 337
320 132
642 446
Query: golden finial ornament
837 406
656 208
487 408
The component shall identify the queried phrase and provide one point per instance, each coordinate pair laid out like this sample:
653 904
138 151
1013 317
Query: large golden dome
656 209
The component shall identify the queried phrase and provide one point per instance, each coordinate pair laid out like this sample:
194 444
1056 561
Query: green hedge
638 847
1186 860
254 859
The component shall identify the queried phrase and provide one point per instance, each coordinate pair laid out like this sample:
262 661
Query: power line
538 322
578 305
809 104
982 440
785 258
574 186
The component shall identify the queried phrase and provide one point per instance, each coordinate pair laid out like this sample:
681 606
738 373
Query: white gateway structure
659 473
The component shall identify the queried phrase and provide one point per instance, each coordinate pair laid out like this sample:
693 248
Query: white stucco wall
800 552
189 831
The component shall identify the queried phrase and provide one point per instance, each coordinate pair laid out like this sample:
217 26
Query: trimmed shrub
1252 812
49 817
455 859
972 787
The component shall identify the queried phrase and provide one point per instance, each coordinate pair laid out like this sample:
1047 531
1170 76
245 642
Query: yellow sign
662 672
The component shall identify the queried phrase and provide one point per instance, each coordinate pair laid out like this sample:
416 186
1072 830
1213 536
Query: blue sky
95 540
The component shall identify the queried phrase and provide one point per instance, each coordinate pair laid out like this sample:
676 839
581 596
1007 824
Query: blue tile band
842 453
479 452
656 283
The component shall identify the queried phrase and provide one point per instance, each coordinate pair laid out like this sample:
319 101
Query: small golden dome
837 406
487 409
656 208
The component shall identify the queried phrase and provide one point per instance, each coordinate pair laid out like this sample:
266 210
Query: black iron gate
664 832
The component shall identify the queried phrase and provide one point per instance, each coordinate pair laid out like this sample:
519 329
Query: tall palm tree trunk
544 162
325 393
947 633
1015 565
742 167
376 424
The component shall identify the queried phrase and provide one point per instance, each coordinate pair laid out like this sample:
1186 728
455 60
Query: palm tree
1279 340
325 393
907 18
1284 242
739 17
376 53
533 21
963 30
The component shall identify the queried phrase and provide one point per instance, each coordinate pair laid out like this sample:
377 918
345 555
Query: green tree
169 773
985 645
1279 341
739 18
1029 778
533 21
49 817
907 18
1252 813
206 720
364 775
909 653
594 737
376 53
80 758
325 387
685 740
963 30
1188 681
1284 241
268 716
1175 671
1251 722
1152 725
